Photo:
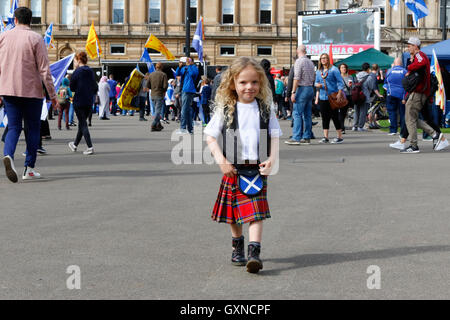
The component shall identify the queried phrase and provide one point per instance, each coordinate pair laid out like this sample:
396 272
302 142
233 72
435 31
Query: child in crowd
205 99
244 101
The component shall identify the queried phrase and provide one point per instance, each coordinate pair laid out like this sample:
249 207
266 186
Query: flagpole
188 29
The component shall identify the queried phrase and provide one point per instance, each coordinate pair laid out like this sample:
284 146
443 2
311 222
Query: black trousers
83 129
343 112
328 114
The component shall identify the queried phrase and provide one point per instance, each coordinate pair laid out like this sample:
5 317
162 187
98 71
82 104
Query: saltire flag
92 43
58 71
174 73
440 93
155 44
2 117
2 25
418 8
146 58
48 38
197 42
394 4
330 53
10 25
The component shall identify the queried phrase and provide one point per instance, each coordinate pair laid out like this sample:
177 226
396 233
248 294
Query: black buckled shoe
238 255
254 263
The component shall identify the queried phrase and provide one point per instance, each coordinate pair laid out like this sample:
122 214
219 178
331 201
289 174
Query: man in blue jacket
188 74
112 94
395 95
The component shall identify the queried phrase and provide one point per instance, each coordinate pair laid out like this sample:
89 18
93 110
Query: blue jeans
394 106
158 103
113 105
29 110
302 114
71 114
187 111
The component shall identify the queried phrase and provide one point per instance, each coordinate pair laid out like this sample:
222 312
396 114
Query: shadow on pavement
324 259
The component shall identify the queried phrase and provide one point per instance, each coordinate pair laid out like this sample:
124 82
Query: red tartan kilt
234 207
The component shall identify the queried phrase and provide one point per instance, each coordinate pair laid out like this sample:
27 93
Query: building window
117 49
118 9
382 5
193 11
265 11
193 51
227 51
264 51
153 51
154 11
442 14
410 20
36 8
67 16
312 5
227 11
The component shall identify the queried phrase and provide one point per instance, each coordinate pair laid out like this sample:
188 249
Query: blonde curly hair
226 97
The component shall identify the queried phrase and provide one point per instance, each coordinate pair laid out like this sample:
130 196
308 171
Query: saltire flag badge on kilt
250 185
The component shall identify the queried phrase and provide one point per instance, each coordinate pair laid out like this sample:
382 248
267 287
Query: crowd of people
189 98
408 108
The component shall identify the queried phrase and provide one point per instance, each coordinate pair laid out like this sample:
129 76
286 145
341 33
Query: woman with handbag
330 87
348 83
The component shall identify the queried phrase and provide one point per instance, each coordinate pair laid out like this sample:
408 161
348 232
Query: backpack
411 81
279 87
434 84
358 96
63 95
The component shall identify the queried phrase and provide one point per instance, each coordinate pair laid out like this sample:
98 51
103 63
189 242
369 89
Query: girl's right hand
228 170
317 101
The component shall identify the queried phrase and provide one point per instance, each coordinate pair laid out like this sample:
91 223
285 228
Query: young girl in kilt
244 94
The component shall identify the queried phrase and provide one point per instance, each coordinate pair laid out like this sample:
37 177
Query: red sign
317 49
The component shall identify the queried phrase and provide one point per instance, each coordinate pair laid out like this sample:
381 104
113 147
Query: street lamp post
188 28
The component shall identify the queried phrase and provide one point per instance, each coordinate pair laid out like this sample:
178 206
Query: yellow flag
93 44
155 44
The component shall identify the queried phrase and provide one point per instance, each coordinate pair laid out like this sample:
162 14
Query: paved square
139 227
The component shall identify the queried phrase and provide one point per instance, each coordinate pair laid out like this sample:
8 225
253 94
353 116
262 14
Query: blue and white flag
48 38
10 25
146 58
2 25
418 8
2 116
197 42
394 4
58 71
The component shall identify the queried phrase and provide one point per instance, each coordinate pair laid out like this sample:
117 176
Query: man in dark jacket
216 82
266 66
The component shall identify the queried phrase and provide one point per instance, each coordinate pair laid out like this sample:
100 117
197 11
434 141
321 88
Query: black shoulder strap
263 125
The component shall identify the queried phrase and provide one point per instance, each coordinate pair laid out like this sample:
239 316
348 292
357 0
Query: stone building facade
233 28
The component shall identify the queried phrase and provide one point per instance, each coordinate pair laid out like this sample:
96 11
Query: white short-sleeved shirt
249 127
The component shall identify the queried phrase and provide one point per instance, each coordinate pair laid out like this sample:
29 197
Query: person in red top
418 98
